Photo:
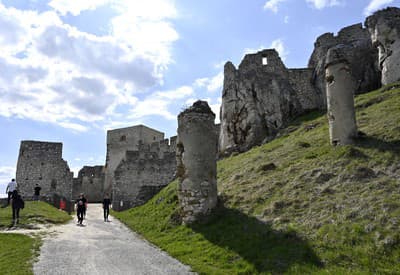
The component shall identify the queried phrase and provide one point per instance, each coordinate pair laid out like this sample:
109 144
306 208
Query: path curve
102 248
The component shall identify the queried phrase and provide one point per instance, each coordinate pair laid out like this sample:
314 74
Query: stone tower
384 27
125 139
340 87
41 163
196 161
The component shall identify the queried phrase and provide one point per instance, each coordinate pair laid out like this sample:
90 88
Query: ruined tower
41 163
125 139
340 87
90 181
196 161
384 27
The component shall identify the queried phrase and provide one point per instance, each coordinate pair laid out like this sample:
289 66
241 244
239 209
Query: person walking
80 208
17 203
36 193
11 186
86 205
106 207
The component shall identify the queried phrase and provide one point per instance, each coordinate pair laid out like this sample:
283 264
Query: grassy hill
297 205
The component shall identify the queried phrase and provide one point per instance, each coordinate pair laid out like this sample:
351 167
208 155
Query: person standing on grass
80 208
106 207
11 186
36 194
17 203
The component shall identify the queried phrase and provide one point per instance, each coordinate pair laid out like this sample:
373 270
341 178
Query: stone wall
261 97
90 181
384 27
125 139
41 163
196 161
143 172
362 59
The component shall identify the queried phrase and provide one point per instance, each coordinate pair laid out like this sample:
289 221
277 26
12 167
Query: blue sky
70 70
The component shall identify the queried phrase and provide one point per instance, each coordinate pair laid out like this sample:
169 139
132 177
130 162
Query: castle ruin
42 163
197 165
90 181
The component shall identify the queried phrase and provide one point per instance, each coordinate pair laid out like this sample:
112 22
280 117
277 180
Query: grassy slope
18 251
320 210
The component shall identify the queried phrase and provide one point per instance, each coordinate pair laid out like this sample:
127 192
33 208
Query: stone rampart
90 181
143 172
41 163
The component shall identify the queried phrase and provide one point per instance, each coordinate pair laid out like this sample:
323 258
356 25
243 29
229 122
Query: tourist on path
17 203
36 194
106 207
80 208
86 205
12 185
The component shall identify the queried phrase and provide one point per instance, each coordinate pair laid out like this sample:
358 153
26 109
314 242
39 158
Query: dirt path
102 248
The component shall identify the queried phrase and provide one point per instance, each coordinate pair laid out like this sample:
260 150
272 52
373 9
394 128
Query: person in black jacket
106 207
17 203
80 208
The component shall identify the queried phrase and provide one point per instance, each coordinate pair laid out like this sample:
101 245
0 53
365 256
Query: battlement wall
90 181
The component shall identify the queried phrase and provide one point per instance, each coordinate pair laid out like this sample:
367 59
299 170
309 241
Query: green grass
33 213
319 209
17 253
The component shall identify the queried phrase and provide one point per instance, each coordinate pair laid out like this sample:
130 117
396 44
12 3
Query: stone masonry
42 163
143 172
125 139
384 27
90 181
196 161
260 97
340 87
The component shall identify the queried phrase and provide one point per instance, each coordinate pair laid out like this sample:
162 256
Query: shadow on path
267 249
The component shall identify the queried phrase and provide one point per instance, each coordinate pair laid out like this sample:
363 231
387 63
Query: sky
71 70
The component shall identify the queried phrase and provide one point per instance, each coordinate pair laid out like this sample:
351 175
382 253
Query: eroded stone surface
196 161
384 27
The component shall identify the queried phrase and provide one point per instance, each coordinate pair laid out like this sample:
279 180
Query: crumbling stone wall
362 58
259 98
90 181
384 27
340 87
143 173
196 159
125 139
42 163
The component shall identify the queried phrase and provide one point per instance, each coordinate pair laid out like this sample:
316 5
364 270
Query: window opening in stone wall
53 184
123 138
154 138
264 60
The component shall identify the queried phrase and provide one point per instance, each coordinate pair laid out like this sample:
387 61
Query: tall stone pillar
196 161
384 27
340 87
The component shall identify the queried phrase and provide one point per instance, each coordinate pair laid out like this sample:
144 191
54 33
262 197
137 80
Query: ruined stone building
90 181
262 96
142 173
42 163
125 139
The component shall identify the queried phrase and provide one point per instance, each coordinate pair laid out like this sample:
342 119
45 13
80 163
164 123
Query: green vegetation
33 213
18 251
296 205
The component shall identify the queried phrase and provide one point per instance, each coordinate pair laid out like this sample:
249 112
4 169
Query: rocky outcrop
384 27
362 59
340 87
258 99
196 162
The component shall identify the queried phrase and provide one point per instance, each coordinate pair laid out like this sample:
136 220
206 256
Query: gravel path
102 248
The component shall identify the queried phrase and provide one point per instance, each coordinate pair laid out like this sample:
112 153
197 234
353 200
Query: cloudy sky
70 70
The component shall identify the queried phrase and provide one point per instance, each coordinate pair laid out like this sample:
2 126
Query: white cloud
375 5
273 5
53 72
286 19
320 4
212 84
279 46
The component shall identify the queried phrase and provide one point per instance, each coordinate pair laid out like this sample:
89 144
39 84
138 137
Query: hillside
297 204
